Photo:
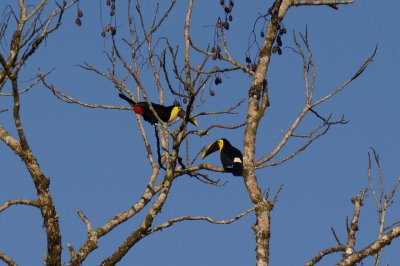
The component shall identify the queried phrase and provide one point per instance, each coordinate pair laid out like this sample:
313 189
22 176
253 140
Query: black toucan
166 113
231 157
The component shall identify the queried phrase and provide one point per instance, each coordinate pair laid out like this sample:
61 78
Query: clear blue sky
95 158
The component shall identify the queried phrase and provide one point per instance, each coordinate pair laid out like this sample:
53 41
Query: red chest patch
138 109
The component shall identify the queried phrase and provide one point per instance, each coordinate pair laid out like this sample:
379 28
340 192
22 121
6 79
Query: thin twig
336 237
203 218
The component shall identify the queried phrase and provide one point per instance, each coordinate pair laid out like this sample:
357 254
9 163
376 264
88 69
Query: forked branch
383 201
309 105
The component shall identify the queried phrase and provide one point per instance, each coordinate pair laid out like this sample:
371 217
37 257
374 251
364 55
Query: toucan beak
182 114
194 122
210 149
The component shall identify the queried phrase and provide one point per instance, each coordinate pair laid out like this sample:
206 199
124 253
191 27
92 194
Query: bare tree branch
372 249
308 106
30 85
332 4
347 82
7 259
351 238
30 30
9 203
68 99
336 237
319 256
91 242
191 218
384 201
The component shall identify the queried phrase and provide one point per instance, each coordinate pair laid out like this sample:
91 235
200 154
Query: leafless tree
31 27
169 159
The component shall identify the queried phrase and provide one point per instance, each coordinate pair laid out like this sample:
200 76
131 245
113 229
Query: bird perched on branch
231 157
166 113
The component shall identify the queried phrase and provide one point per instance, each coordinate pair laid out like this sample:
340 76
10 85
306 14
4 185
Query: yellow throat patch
220 144
174 113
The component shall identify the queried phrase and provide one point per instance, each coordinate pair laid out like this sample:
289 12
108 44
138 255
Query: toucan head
181 113
216 145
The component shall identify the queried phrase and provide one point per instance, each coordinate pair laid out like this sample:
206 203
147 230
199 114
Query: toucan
166 113
231 157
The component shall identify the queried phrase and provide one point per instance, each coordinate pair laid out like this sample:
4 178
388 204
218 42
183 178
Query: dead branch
391 226
68 99
10 141
154 27
307 64
7 259
319 256
224 58
205 131
348 249
336 237
121 86
372 249
95 234
332 4
197 218
352 78
86 221
27 37
312 136
166 75
156 207
72 252
276 195
9 203
206 180
308 106
384 201
30 85
325 126
351 237
136 77
285 138
226 111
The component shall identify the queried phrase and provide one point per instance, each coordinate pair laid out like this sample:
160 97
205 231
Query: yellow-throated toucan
231 157
166 113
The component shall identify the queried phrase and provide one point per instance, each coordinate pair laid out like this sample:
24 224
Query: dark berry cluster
228 14
217 81
109 29
79 15
111 4
216 52
251 66
278 40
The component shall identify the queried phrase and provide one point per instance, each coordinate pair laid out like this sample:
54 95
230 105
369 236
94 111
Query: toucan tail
122 96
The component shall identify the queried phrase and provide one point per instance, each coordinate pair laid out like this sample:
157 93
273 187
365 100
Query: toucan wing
232 161
210 149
